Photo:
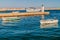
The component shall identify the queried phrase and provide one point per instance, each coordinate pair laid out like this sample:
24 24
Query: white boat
32 10
15 12
49 23
10 19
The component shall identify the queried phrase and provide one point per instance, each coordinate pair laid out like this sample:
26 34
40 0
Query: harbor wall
4 9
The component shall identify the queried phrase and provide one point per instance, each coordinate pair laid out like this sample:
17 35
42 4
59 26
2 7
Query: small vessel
33 10
15 12
10 19
49 23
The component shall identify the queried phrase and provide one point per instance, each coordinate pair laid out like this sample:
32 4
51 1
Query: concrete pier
23 14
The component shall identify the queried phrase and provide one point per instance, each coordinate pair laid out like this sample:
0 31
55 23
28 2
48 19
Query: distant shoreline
52 8
4 9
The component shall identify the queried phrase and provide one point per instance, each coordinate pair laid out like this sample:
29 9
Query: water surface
28 28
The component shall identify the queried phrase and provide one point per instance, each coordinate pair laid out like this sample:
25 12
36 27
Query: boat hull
48 23
10 19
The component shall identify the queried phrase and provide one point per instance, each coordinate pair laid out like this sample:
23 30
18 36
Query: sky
29 3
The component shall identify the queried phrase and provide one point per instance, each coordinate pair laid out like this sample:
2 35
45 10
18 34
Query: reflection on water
10 23
49 25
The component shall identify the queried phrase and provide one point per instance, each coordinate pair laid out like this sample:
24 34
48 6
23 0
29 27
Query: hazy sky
28 3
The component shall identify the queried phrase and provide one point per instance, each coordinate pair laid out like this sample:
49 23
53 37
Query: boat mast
42 10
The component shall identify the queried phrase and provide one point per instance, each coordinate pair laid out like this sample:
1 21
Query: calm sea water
28 28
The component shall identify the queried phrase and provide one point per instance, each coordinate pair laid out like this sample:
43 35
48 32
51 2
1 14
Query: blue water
28 28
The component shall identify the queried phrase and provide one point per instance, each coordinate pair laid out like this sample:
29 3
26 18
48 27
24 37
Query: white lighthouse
42 10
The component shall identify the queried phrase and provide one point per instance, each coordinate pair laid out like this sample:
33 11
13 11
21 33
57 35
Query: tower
42 10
